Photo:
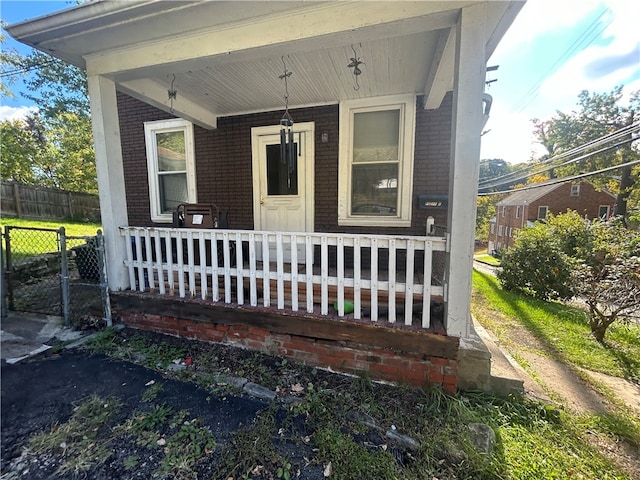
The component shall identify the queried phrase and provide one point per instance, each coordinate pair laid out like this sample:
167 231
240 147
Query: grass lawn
562 328
72 228
29 242
565 335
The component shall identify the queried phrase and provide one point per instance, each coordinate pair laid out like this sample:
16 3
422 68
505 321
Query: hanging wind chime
287 154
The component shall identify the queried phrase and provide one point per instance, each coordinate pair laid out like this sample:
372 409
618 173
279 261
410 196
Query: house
521 209
335 134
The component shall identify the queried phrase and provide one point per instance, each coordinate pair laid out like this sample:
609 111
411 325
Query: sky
554 50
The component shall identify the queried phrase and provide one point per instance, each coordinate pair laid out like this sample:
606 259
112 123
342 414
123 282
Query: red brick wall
223 163
587 203
560 200
348 357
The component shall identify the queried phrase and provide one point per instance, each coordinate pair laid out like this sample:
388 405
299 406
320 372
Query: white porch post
470 67
113 203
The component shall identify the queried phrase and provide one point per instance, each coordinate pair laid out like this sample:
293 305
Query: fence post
3 283
104 286
16 197
64 275
9 265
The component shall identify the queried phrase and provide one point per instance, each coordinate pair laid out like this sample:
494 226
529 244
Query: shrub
543 257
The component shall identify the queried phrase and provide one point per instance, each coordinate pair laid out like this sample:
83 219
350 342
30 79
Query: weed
79 441
152 392
185 448
352 460
131 462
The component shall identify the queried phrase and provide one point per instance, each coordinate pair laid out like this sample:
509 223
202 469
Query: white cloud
15 113
541 16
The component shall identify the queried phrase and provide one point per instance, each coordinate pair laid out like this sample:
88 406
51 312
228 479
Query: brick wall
558 201
223 163
347 357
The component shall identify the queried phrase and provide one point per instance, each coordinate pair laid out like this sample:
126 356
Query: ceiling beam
440 76
155 94
335 23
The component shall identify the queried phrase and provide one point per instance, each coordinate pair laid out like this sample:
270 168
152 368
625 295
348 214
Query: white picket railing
269 266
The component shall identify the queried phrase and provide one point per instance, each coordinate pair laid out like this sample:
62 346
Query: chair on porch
204 215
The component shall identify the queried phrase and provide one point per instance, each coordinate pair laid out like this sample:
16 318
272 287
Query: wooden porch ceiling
226 56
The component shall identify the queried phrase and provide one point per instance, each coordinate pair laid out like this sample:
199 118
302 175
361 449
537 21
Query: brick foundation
343 356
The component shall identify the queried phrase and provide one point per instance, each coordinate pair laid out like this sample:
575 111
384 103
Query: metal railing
370 274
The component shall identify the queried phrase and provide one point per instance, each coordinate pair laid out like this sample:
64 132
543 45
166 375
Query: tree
608 278
56 153
54 147
597 115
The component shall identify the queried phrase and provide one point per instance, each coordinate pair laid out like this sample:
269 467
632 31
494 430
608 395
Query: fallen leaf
297 388
161 442
328 470
149 383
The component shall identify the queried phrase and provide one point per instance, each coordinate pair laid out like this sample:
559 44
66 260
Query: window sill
373 222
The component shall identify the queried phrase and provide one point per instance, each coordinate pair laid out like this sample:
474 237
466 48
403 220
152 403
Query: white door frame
308 128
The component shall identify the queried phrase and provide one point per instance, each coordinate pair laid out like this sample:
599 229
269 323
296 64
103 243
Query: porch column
113 203
469 78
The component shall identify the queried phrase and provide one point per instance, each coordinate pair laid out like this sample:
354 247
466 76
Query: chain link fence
51 273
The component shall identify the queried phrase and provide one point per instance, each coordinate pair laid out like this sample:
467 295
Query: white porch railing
364 269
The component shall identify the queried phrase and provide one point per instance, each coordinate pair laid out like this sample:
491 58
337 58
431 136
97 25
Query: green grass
562 329
534 440
26 243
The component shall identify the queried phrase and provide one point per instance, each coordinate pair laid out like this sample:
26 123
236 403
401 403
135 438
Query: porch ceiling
226 56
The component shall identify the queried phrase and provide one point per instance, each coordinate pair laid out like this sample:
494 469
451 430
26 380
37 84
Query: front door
283 189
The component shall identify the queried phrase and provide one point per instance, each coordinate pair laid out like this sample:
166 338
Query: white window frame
546 212
150 131
517 211
504 211
575 190
500 229
493 228
407 106
605 217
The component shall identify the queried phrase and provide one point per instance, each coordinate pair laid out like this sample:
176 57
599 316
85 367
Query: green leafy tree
54 147
598 114
608 277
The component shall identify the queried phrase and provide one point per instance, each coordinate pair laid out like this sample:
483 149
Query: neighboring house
187 104
523 208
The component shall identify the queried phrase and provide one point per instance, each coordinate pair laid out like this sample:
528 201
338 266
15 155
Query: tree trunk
626 184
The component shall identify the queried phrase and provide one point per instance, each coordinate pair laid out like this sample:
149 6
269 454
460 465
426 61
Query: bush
542 259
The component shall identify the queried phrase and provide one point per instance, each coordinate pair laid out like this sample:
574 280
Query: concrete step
506 374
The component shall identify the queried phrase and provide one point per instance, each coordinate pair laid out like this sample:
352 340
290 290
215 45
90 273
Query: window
493 228
603 212
504 211
575 190
376 161
500 230
518 211
170 166
542 213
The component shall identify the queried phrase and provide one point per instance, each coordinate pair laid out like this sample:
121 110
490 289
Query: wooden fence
288 268
26 201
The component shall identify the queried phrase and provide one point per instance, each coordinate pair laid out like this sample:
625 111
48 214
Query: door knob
261 199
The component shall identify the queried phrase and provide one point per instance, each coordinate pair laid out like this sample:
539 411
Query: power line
22 70
564 179
535 168
532 93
